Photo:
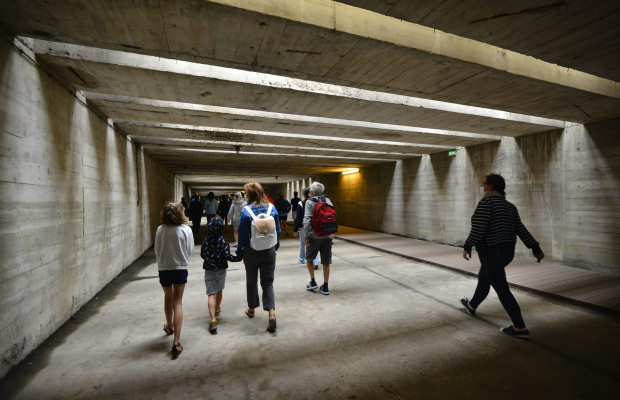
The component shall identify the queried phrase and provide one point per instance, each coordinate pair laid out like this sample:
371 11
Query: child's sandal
213 327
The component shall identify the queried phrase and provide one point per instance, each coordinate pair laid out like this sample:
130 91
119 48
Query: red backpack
324 221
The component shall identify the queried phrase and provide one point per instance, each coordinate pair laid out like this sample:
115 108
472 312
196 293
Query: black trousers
493 261
263 261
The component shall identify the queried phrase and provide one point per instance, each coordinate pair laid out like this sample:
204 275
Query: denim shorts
215 280
173 277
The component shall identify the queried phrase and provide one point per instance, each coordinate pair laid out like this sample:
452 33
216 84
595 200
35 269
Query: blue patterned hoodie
215 249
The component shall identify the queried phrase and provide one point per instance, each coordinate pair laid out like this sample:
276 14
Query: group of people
210 205
495 226
256 222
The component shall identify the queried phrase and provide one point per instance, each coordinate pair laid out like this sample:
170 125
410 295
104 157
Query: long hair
172 214
255 193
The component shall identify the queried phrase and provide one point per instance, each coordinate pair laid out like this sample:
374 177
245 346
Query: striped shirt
496 221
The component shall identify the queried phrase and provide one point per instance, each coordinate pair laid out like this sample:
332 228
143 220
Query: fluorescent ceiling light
350 171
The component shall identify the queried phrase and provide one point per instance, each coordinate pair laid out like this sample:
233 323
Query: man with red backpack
320 223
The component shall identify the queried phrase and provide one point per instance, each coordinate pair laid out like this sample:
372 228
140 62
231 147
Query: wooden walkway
590 288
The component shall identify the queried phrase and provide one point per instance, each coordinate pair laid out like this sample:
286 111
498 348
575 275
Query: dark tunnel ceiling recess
241 89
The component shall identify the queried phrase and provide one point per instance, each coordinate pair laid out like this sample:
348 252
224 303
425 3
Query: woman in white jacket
234 214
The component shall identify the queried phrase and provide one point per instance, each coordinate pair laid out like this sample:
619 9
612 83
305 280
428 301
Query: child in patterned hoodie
216 253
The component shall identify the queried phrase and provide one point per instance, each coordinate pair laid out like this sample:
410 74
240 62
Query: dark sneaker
465 303
511 331
312 285
324 289
316 266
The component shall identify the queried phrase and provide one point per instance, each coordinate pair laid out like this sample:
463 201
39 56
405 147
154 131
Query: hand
307 242
539 256
466 254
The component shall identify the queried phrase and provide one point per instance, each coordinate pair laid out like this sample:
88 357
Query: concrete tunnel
110 109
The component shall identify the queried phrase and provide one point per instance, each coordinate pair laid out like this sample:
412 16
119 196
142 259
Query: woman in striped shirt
494 229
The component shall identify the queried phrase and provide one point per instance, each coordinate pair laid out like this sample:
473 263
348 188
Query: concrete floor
391 328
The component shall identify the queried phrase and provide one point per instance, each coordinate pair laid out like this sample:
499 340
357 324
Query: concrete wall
79 204
566 185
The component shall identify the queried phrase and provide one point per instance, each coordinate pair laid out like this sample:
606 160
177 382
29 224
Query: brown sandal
249 313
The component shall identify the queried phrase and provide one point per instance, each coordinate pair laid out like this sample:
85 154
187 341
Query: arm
527 238
307 221
203 249
479 224
157 245
244 232
230 257
299 218
231 211
276 218
190 240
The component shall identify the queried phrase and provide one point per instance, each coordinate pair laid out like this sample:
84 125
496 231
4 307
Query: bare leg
236 230
218 300
283 227
177 305
212 301
310 268
168 296
325 273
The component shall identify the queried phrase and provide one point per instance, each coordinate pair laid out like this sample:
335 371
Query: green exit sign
452 153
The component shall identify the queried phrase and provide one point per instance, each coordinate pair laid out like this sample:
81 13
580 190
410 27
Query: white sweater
173 246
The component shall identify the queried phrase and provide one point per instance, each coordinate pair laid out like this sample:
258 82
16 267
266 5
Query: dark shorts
173 277
323 245
282 217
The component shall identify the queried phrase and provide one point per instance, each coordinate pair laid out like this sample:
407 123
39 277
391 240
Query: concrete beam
212 72
357 21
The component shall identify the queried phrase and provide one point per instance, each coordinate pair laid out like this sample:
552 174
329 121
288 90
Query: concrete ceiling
228 90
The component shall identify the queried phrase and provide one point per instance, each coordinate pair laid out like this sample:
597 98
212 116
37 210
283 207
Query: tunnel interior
109 111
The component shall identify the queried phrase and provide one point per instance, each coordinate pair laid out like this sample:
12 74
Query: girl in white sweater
174 244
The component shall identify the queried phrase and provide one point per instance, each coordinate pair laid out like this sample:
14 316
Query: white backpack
263 235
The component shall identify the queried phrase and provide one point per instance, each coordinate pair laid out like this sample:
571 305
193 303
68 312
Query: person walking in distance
298 228
283 207
294 204
234 213
195 213
318 234
210 206
495 226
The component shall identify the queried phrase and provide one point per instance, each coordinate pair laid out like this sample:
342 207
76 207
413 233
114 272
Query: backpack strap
254 215
250 212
